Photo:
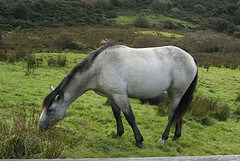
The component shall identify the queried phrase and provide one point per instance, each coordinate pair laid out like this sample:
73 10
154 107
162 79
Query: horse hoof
162 141
119 135
139 145
174 138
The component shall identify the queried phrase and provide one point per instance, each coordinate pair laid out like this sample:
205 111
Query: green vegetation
154 20
164 34
26 14
89 128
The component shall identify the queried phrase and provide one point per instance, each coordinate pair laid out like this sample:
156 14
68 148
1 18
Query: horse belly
147 84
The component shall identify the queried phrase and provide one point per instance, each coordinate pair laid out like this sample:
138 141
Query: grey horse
119 72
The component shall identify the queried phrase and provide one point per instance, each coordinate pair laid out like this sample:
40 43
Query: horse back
142 73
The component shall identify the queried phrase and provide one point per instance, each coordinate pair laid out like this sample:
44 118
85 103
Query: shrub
141 22
199 9
237 28
208 41
16 56
111 14
31 63
103 4
11 57
167 24
236 34
20 138
60 61
3 55
63 40
160 5
203 110
231 28
147 40
214 23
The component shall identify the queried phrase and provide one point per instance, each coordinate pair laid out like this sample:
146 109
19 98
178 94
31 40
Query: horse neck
79 84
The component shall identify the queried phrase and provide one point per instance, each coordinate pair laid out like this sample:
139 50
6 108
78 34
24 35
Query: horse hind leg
178 130
117 113
179 103
174 101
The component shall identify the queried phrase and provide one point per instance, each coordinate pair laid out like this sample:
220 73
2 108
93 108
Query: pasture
90 127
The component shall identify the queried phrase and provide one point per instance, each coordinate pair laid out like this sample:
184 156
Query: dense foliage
46 13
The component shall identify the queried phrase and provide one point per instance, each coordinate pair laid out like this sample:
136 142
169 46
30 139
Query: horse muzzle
44 125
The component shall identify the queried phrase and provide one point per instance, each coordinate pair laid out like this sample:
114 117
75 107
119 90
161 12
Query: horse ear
51 88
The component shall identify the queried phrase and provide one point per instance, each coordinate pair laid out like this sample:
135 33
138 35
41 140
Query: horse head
53 109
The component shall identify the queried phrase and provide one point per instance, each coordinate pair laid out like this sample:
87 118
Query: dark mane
81 67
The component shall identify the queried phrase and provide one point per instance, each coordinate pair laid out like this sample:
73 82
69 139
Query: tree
141 22
103 4
20 11
236 18
199 9
214 23
167 24
231 27
160 5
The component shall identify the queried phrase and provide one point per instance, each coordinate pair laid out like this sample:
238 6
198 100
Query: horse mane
81 67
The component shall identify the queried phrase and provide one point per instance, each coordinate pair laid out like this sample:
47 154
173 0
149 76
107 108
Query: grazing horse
119 72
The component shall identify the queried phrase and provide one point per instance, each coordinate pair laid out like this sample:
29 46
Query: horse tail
185 100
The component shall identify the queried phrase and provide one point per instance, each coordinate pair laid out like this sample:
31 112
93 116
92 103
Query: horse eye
58 97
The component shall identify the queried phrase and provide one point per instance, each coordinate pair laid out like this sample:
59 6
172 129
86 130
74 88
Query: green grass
154 20
91 125
164 34
220 83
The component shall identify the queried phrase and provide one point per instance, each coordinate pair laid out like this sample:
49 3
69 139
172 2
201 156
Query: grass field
89 128
154 20
164 34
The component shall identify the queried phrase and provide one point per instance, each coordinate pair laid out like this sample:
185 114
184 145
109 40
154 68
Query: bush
31 63
203 110
3 56
214 23
167 24
63 40
236 34
160 5
60 61
103 4
147 40
141 22
237 28
231 28
111 14
208 41
199 9
20 138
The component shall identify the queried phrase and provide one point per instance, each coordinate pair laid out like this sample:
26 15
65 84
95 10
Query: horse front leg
117 113
123 103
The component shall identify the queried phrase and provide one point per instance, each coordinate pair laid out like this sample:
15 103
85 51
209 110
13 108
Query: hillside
45 13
